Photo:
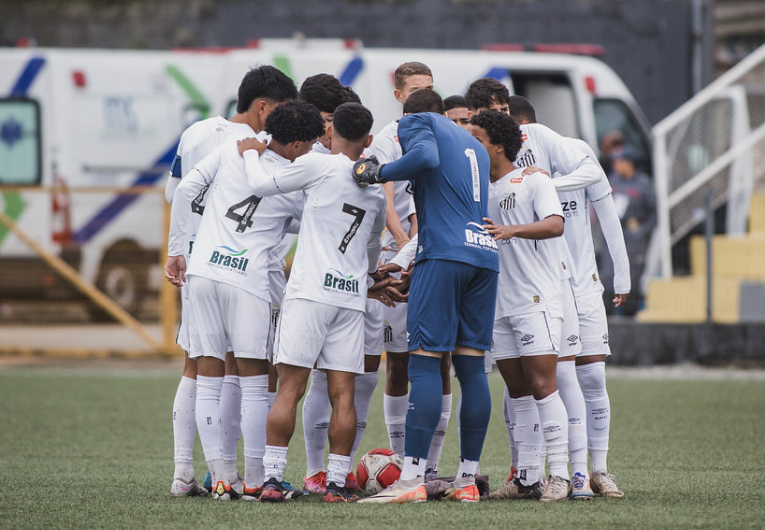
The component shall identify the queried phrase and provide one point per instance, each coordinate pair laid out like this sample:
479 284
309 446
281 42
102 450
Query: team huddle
456 238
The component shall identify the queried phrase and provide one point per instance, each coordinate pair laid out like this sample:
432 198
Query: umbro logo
572 339
527 339
605 338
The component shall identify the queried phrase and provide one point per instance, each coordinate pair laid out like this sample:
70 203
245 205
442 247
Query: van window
20 149
231 109
615 115
553 99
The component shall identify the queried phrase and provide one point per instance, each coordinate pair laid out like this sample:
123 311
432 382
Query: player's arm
296 176
392 222
546 207
173 178
574 168
406 254
602 202
422 150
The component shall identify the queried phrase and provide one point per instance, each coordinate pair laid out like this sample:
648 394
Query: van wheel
123 280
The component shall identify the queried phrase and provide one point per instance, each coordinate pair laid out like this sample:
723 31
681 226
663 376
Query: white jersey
198 141
386 148
529 277
339 230
578 231
239 229
544 148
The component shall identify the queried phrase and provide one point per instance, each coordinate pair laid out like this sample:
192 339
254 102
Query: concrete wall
649 43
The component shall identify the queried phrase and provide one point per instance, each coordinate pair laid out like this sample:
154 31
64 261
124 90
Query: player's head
499 134
262 90
353 121
353 97
410 77
521 110
424 100
294 128
324 92
456 109
487 93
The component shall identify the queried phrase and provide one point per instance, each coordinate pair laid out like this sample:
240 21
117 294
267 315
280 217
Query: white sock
337 469
571 394
184 428
528 439
230 418
365 387
316 413
554 421
508 413
413 468
395 419
208 422
592 378
254 415
466 473
434 453
274 462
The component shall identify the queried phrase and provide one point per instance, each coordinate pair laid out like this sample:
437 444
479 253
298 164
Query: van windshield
614 116
19 142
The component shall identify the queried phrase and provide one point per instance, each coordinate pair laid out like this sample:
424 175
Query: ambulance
87 137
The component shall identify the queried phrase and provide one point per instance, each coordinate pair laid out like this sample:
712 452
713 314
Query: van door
552 95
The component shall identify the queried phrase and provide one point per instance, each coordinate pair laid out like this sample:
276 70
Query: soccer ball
378 469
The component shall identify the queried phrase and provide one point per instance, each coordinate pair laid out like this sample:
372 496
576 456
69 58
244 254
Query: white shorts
395 337
373 323
276 284
183 340
570 337
593 324
224 315
524 335
311 333
488 362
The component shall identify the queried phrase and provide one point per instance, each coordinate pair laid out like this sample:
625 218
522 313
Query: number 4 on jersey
244 220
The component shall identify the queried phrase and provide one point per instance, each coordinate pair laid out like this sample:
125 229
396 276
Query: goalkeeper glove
367 171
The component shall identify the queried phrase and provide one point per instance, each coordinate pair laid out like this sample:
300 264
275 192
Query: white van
78 120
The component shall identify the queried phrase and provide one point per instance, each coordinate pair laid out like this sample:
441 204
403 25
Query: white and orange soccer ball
378 469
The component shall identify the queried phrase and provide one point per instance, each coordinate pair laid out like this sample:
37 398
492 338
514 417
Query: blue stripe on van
352 71
109 212
27 77
497 73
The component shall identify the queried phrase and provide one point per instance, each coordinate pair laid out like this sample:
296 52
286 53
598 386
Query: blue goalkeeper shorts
450 303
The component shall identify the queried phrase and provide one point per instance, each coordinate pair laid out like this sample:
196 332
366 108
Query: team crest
508 201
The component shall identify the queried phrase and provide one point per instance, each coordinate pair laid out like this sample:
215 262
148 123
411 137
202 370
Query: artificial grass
93 449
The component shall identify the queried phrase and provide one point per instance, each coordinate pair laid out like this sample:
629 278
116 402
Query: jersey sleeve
566 159
297 176
374 245
546 202
384 147
187 190
416 135
611 227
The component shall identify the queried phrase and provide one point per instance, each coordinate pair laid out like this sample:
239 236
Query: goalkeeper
453 286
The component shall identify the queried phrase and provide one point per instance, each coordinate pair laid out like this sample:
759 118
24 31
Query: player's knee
592 379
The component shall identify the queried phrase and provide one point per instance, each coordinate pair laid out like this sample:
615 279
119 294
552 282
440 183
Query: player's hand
498 231
401 243
175 270
531 169
391 267
367 171
384 291
250 143
620 299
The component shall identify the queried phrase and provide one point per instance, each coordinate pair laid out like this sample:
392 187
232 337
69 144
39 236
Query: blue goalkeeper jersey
449 173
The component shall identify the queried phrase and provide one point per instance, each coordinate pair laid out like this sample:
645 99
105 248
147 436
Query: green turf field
93 449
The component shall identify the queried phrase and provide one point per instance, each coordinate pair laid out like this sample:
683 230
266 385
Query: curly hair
353 121
501 129
264 82
324 92
483 92
295 121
